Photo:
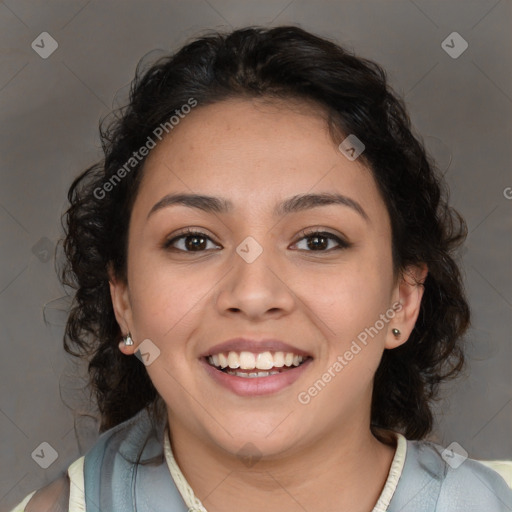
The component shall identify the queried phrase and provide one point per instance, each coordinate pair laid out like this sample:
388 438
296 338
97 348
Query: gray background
50 110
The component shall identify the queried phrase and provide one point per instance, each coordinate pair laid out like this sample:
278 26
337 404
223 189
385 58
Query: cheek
165 297
349 303
350 314
351 294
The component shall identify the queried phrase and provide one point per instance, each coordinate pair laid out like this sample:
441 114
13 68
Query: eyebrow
294 204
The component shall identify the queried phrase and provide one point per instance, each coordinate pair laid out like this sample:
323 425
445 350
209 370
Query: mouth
255 374
251 365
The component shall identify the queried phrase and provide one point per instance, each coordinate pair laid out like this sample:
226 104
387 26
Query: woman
271 241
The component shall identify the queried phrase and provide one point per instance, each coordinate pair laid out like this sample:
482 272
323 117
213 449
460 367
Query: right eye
190 241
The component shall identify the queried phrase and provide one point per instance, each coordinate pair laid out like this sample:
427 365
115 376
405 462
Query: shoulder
464 483
67 492
476 485
125 443
62 494
503 467
52 498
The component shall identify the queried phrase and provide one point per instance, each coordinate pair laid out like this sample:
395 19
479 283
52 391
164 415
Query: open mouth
250 366
256 374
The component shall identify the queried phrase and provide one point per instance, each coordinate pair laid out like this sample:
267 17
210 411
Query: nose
257 289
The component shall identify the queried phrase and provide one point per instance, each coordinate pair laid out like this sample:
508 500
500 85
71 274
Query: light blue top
114 483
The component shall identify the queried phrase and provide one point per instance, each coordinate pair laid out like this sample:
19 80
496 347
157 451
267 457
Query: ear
408 293
119 293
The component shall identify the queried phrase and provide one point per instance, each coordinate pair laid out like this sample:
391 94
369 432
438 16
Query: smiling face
316 293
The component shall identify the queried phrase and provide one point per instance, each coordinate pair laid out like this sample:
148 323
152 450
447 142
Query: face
315 275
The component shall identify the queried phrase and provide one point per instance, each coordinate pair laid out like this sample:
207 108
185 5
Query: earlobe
408 293
126 345
119 295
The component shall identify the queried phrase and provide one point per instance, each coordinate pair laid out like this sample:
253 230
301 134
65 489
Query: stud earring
127 340
396 332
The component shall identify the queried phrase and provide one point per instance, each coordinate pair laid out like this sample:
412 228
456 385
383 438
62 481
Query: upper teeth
249 361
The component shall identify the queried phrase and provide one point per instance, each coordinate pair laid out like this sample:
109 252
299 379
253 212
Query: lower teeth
250 375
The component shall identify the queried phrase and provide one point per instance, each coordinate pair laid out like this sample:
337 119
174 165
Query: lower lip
256 386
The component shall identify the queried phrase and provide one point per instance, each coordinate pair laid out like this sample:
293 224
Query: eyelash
303 234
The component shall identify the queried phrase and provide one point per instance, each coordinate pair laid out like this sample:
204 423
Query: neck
345 470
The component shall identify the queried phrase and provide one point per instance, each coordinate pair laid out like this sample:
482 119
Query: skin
321 456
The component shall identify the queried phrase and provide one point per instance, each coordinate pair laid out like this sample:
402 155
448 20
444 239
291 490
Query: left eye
319 241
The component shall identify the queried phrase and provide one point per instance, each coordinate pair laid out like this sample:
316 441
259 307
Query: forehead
262 150
250 130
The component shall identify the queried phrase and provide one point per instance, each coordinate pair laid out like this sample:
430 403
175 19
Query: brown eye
189 241
319 241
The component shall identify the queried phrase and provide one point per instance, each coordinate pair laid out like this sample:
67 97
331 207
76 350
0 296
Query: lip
256 386
256 347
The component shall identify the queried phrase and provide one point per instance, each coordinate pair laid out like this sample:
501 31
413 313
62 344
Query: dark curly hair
281 63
